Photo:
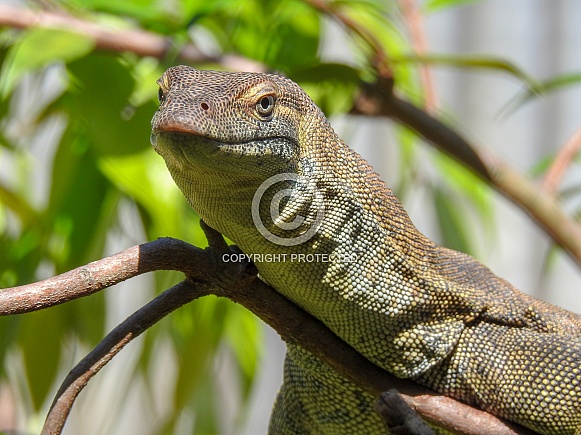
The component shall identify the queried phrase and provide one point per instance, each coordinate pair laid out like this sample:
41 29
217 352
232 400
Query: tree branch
138 41
239 283
162 254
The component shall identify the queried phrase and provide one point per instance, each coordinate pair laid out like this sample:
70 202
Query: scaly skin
416 309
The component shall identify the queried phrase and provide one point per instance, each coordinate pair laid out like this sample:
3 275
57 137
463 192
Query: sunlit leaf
472 188
138 9
145 178
451 222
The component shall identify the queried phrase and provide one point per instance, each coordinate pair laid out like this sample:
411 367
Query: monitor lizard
259 162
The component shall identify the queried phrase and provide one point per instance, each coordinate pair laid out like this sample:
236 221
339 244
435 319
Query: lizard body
416 309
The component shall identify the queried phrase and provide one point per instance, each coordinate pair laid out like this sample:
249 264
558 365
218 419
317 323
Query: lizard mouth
178 137
202 152
252 147
185 134
188 148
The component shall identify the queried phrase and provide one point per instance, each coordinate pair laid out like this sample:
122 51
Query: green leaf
138 9
472 61
40 340
545 87
371 16
282 34
206 422
331 85
245 337
145 178
464 181
101 101
437 5
197 330
541 165
18 204
294 37
38 48
327 72
81 204
451 222
10 327
407 141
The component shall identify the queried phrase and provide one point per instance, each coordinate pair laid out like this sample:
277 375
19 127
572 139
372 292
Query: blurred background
79 180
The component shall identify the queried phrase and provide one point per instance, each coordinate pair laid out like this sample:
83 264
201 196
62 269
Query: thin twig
111 345
380 58
414 21
562 161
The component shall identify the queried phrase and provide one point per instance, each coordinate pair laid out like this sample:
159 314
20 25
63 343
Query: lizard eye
160 95
265 106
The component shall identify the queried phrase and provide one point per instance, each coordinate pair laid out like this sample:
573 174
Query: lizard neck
221 200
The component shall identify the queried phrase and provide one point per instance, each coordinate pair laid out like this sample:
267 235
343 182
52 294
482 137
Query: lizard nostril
204 106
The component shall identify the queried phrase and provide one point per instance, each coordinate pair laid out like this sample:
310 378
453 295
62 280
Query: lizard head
240 124
224 134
